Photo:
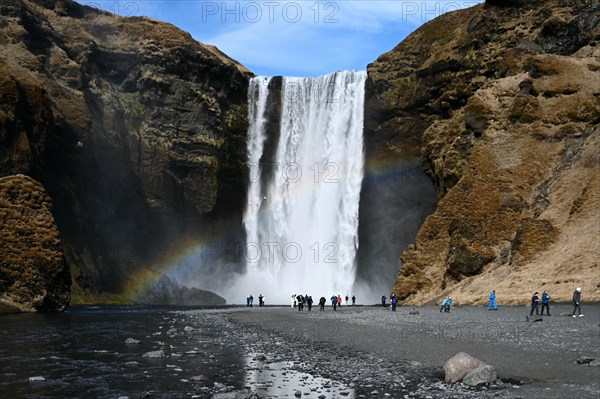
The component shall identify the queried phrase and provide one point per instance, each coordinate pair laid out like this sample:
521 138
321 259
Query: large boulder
33 273
480 376
459 365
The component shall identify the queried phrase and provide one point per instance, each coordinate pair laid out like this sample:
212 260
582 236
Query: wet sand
374 349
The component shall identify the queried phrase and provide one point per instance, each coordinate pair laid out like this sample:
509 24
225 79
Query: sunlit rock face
500 102
33 273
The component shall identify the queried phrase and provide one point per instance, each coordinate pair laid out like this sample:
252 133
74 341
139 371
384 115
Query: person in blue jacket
334 302
383 298
446 305
493 301
394 301
546 302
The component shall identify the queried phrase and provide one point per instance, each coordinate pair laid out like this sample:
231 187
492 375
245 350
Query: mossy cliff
135 130
501 102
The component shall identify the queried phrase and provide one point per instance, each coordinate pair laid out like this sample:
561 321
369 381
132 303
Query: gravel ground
372 352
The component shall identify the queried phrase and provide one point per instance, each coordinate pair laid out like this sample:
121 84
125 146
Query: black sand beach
402 354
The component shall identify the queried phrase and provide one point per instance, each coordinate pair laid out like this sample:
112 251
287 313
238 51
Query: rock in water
155 354
459 365
132 341
479 376
36 378
33 273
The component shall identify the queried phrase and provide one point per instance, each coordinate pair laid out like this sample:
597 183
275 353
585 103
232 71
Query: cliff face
503 102
33 273
136 131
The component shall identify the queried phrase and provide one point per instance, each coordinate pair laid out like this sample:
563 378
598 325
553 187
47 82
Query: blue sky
293 38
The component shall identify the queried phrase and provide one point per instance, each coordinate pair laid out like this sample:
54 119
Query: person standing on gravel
446 305
309 301
535 301
493 301
300 300
545 302
353 300
576 302
322 303
339 300
394 301
261 300
334 302
347 297
383 298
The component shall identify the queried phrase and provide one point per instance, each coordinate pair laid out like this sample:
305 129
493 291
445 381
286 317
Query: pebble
132 341
36 378
298 393
155 354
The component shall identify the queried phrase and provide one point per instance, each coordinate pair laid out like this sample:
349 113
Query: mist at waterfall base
305 153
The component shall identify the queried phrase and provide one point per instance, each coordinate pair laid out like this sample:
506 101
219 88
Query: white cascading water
302 226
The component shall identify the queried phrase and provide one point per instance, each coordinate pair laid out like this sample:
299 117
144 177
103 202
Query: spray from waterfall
301 218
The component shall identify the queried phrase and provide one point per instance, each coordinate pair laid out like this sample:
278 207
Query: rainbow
189 254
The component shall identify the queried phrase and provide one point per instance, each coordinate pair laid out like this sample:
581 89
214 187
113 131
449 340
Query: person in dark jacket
334 302
353 300
535 301
383 298
322 303
261 300
309 301
300 300
577 302
546 302
394 301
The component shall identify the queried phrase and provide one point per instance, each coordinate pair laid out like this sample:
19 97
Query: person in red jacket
339 300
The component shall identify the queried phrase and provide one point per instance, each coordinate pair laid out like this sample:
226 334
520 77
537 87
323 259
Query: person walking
339 300
546 302
293 300
576 302
353 300
300 300
251 300
383 298
248 300
322 303
347 297
493 301
535 301
446 305
394 301
334 302
309 301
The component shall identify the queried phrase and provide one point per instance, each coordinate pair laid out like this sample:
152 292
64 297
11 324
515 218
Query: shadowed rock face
136 131
501 103
33 273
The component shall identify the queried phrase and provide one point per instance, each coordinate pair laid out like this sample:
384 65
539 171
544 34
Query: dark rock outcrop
136 131
165 291
501 101
33 273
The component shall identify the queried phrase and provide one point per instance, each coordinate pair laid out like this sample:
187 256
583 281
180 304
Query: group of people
300 301
250 300
545 299
393 301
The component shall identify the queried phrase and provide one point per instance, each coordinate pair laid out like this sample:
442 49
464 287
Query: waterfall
301 218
